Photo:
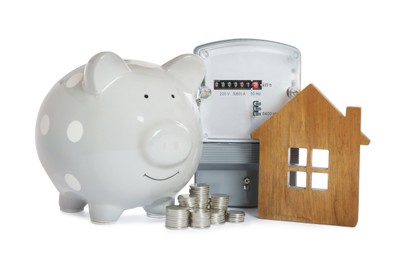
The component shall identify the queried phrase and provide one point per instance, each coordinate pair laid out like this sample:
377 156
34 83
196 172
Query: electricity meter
247 81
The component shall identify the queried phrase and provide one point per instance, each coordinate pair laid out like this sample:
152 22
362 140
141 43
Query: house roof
316 96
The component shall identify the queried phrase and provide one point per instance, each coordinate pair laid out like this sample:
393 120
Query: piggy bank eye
173 96
146 96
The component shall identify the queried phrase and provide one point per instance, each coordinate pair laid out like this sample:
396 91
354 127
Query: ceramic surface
118 134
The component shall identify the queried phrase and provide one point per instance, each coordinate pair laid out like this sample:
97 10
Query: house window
319 181
308 168
297 156
297 179
320 158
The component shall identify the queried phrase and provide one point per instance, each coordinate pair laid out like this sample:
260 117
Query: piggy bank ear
189 69
101 70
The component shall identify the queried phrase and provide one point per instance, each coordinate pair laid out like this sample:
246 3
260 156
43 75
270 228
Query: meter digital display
237 84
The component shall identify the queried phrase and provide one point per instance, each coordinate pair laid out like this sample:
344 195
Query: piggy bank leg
70 202
158 208
104 214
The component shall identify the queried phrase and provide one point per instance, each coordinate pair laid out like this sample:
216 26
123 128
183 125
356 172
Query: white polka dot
74 80
72 182
75 131
44 124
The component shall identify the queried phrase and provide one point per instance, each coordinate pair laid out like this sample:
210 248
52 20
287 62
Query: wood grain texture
310 121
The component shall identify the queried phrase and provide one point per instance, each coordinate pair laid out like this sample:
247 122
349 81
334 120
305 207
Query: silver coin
219 201
217 216
186 200
200 218
220 196
199 186
235 216
200 191
177 217
175 208
176 227
236 213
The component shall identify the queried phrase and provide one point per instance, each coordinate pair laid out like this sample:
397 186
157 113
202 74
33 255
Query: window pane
319 181
300 180
297 156
320 158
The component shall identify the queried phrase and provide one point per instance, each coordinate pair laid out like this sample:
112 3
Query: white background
354 51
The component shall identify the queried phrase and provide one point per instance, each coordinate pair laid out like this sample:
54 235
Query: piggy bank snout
168 145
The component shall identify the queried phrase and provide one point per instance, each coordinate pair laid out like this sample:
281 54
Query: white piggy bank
118 134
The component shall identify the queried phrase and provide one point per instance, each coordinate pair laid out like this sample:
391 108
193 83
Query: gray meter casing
247 81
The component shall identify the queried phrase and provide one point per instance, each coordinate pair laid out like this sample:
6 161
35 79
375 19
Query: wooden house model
322 186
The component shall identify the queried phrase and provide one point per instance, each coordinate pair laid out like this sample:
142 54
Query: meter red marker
255 85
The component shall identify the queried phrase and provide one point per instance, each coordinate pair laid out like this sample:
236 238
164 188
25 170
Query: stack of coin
219 201
177 217
185 200
200 218
201 192
217 216
235 216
